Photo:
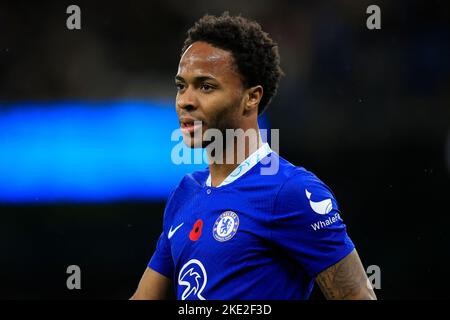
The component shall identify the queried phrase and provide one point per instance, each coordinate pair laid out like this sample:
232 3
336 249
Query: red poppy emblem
196 231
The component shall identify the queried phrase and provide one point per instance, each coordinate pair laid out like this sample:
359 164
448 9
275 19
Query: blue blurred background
88 152
86 118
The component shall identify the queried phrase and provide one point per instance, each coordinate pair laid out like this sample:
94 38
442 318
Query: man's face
210 91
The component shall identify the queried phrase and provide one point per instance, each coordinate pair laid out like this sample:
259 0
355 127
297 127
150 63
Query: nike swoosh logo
172 232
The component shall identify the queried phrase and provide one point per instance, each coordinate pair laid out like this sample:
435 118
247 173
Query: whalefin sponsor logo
321 207
325 223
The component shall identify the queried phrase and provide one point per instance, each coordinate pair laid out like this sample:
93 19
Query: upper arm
307 224
152 286
346 280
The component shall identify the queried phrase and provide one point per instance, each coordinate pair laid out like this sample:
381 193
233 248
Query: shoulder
301 188
185 189
194 180
289 176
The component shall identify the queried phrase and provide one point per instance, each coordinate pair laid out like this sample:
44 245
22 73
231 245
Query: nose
187 100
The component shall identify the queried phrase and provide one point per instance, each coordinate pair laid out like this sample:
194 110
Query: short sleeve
306 224
161 260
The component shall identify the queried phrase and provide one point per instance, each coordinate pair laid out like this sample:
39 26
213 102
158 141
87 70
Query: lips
190 125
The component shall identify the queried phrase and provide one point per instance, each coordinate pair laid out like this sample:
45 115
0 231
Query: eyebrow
196 79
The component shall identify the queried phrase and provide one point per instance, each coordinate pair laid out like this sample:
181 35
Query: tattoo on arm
345 280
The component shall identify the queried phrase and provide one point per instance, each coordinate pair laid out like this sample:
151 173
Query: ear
253 95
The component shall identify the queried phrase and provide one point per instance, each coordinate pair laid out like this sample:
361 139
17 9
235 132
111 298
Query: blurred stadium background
86 117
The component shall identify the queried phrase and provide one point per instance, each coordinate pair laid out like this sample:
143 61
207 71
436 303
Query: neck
232 155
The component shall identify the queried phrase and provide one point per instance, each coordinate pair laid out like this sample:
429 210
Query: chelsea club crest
226 226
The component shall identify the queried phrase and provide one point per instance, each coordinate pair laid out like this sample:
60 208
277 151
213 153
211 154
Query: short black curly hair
255 53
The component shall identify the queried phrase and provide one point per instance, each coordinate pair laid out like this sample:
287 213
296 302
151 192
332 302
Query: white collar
246 165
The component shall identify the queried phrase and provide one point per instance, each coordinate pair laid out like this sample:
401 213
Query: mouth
190 125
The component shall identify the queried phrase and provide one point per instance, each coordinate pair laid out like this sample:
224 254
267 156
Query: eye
206 87
179 85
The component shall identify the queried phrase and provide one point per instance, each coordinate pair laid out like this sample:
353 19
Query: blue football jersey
255 236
